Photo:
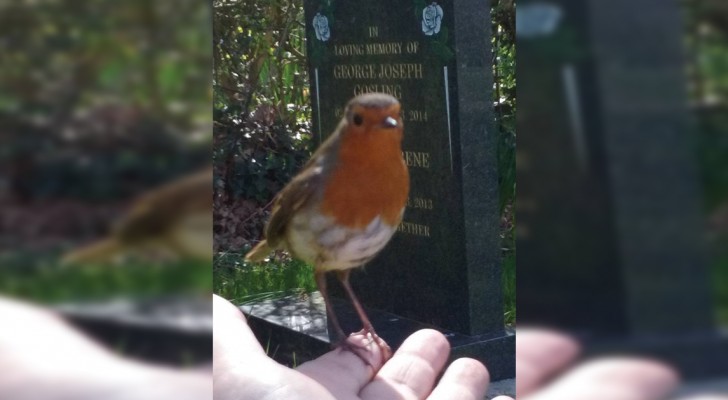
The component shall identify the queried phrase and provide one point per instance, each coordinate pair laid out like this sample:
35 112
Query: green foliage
504 93
39 277
262 117
116 153
713 149
707 25
260 159
242 282
504 100
509 287
259 58
95 93
707 48
66 55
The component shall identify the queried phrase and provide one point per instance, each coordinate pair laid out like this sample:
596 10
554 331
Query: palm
243 370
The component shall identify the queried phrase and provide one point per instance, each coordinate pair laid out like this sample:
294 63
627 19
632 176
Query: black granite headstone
442 267
609 241
173 330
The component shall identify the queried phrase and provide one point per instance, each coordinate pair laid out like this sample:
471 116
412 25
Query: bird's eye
358 119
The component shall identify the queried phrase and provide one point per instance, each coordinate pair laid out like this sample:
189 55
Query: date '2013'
419 202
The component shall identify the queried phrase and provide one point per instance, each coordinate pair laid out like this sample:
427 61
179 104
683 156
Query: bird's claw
359 343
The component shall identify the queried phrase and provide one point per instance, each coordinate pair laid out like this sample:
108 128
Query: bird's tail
101 251
259 252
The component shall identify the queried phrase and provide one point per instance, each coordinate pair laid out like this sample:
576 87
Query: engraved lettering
416 159
343 50
412 47
414 229
400 71
414 116
378 49
420 203
392 90
355 71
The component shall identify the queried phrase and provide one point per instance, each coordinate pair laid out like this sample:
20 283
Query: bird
173 220
345 204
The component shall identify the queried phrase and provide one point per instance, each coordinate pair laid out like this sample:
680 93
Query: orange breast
369 180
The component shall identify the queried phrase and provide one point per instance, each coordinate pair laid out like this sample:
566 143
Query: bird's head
374 114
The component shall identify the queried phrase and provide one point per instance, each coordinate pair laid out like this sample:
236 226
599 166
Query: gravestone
609 242
172 329
442 267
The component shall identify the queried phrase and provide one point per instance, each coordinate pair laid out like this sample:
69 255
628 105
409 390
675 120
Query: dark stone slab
167 330
610 232
294 329
695 355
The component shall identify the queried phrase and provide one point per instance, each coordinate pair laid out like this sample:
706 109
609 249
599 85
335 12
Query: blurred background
105 118
707 53
105 180
622 170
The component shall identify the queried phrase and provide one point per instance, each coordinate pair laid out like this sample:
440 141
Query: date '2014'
407 115
414 116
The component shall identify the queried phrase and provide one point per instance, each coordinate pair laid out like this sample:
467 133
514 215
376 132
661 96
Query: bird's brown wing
158 210
152 218
295 196
307 185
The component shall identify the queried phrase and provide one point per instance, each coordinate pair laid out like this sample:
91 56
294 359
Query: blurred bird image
346 203
173 221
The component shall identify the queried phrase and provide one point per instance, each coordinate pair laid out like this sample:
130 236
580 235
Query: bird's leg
344 279
343 342
321 283
368 329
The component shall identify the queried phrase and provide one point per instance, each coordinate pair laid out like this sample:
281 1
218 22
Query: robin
346 203
172 220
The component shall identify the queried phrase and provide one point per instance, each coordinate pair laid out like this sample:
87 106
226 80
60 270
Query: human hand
43 357
541 355
242 370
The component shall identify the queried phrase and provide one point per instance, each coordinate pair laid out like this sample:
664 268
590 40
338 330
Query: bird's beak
390 122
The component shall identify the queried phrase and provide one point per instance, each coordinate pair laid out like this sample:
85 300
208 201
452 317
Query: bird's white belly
317 240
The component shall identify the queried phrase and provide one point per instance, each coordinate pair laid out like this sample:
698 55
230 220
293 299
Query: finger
614 378
343 372
241 369
412 371
464 379
540 354
232 338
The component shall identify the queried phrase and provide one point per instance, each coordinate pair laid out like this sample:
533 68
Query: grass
509 287
41 278
242 282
